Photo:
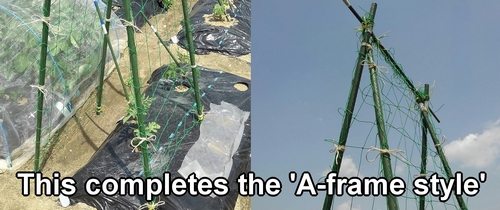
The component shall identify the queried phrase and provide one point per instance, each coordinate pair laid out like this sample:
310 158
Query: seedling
132 111
220 11
167 4
174 70
150 130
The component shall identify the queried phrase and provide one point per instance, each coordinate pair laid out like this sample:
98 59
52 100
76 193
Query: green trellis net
403 123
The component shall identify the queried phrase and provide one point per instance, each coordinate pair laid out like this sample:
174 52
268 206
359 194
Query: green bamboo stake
351 102
427 123
392 202
107 44
137 88
390 60
41 82
195 71
160 39
423 163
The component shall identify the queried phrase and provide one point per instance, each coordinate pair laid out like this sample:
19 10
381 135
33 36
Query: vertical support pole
107 44
427 123
103 59
195 71
423 163
136 86
351 102
41 82
392 202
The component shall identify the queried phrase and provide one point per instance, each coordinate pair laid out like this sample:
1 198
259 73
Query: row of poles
133 66
365 54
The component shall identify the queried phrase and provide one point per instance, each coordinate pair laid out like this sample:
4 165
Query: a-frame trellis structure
365 58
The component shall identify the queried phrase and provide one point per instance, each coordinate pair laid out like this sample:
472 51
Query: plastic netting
74 52
404 128
177 141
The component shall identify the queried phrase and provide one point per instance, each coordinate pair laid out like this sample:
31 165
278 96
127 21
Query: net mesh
403 125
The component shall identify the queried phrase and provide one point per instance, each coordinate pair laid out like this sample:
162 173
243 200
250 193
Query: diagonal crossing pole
351 102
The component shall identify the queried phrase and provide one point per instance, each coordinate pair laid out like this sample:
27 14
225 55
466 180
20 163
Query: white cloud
476 150
400 169
347 169
347 206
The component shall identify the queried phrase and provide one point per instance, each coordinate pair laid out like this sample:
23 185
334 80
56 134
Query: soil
75 143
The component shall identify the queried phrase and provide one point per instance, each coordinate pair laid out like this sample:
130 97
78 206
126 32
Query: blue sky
303 56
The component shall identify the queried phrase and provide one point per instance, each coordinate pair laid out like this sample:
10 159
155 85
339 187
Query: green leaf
54 48
64 45
32 41
21 63
73 42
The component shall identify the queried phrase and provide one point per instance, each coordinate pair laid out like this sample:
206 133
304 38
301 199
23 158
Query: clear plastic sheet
74 54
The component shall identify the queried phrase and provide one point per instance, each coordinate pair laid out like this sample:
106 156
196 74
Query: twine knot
46 20
367 45
336 150
142 139
41 88
442 142
127 23
422 175
372 65
424 107
393 152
